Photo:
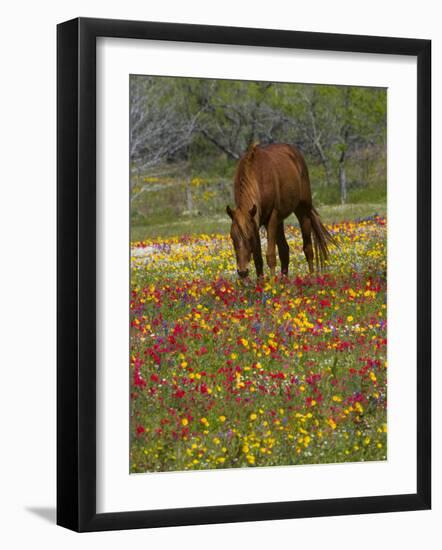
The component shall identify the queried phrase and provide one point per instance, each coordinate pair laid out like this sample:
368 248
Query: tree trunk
189 198
345 145
327 172
324 162
342 181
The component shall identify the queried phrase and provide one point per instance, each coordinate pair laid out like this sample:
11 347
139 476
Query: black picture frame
77 287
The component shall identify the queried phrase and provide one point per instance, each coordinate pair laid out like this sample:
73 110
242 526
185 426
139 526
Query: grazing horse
270 183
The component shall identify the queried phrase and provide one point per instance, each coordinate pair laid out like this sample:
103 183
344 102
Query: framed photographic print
243 274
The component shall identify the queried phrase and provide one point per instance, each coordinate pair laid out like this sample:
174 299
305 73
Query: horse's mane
246 189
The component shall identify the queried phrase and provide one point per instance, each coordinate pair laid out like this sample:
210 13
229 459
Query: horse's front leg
272 227
257 257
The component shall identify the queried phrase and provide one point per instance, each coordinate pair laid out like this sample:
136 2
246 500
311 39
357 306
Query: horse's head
244 235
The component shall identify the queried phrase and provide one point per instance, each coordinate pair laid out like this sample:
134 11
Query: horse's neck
247 197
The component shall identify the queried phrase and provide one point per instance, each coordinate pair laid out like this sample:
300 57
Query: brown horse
270 183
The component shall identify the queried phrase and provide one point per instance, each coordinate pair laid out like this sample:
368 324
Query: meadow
231 374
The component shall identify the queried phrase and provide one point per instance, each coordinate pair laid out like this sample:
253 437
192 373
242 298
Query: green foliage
207 125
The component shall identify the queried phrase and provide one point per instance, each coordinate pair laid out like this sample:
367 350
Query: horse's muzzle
243 274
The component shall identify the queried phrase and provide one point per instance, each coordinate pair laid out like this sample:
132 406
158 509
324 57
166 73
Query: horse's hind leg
306 230
283 249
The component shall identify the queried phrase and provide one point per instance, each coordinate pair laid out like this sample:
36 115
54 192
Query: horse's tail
321 239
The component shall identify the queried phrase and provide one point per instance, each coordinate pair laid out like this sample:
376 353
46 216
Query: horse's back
283 175
286 160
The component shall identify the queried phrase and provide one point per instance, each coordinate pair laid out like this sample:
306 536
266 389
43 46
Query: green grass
168 226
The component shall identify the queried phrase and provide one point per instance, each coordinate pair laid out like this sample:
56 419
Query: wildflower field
231 374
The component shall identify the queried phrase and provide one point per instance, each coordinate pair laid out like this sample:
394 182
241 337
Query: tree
360 121
159 125
235 113
331 122
194 120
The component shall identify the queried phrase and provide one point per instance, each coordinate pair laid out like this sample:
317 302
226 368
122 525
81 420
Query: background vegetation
186 136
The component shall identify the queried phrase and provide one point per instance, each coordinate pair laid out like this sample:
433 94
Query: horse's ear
252 211
229 211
